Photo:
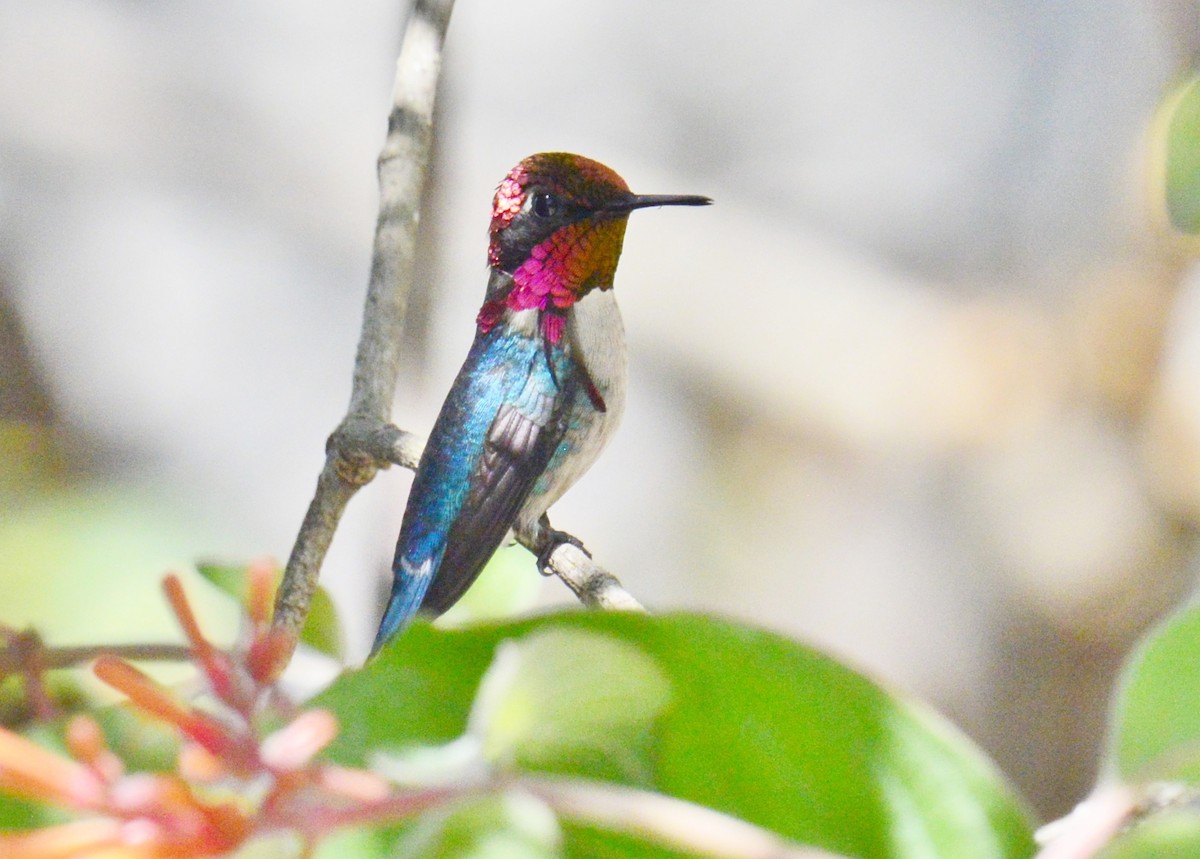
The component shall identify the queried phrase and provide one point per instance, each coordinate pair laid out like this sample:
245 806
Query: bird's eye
544 204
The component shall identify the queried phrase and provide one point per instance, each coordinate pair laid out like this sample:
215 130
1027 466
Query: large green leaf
1156 723
565 694
752 724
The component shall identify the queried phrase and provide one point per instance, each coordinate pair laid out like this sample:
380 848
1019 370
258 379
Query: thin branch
394 807
1112 809
595 586
1090 826
352 452
15 659
674 822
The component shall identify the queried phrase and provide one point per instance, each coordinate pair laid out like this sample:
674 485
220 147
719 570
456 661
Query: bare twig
1112 809
366 441
1089 828
353 452
26 651
674 822
595 586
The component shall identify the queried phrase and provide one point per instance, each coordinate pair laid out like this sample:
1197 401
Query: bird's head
558 222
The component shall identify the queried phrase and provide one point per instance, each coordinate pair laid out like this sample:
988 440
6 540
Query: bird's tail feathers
408 590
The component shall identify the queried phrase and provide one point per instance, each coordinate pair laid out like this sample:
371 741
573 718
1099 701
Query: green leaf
595 843
558 692
230 579
62 687
361 842
322 630
506 826
1156 723
18 814
737 719
143 743
1181 173
1170 835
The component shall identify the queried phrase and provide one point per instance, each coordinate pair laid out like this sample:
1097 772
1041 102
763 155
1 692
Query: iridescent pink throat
558 272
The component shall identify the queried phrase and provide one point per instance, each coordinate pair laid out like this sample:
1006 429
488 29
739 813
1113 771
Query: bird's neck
534 300
555 276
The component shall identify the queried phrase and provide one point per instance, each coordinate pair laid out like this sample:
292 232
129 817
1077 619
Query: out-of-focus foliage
508 826
1156 723
82 560
1179 145
1169 836
728 717
322 630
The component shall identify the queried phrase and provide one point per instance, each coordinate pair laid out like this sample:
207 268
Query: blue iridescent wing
496 433
518 447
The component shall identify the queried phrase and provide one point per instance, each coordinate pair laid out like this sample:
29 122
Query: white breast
596 330
597 338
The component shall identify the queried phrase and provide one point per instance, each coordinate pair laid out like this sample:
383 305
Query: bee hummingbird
542 388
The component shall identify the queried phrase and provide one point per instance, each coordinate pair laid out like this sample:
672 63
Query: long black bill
643 201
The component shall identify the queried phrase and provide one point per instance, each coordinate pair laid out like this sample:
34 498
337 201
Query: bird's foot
551 539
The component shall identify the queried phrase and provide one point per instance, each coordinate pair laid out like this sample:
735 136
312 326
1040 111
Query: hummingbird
542 388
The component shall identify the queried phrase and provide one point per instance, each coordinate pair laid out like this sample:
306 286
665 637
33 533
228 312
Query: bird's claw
555 538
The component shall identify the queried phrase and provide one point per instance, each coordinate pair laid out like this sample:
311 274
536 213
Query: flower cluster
231 782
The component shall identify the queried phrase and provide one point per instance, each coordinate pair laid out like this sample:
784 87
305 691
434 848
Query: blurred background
923 388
